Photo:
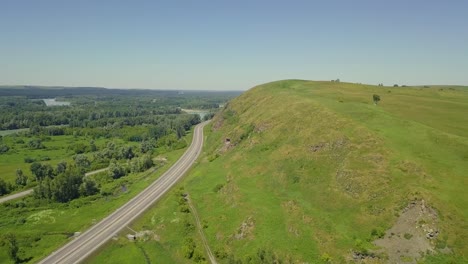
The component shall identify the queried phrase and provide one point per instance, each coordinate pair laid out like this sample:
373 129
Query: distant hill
316 171
53 91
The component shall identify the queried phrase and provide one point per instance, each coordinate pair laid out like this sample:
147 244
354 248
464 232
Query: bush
376 98
407 236
377 233
5 187
29 160
218 187
4 148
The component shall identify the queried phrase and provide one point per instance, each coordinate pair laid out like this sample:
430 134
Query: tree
147 162
35 144
92 146
208 116
66 186
48 170
126 152
88 187
61 167
44 189
12 247
146 146
180 131
21 179
5 187
41 171
36 170
116 170
376 98
82 161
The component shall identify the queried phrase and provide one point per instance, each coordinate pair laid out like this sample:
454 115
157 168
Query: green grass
57 149
41 227
319 168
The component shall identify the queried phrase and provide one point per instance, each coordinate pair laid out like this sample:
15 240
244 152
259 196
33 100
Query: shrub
376 98
377 233
29 160
218 187
4 148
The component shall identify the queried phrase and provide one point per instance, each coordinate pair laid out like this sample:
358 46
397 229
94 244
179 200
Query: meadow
40 226
57 149
306 171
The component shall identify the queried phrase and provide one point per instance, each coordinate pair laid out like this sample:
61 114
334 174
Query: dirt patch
146 235
412 236
227 145
319 146
246 229
218 123
259 128
290 206
335 145
160 159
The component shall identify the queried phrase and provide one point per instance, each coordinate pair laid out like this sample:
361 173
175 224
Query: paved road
81 247
30 191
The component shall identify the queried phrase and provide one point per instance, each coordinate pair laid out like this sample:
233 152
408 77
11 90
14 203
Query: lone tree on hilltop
376 98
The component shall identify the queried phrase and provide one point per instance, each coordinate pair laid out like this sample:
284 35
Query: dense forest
99 128
98 107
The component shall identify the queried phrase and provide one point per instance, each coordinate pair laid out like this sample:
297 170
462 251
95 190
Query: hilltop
307 171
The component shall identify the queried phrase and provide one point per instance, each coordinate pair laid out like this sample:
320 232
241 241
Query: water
201 113
53 102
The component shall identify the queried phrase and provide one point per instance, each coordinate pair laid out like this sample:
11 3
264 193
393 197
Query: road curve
81 247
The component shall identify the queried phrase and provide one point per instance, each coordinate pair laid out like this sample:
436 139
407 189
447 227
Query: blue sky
222 45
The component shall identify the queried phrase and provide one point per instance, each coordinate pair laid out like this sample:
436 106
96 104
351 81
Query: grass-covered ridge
312 171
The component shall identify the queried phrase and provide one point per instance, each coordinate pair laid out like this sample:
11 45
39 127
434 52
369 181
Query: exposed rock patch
245 230
412 236
259 128
218 123
335 145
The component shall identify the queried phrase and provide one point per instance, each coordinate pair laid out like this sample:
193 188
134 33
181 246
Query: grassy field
57 149
311 171
41 227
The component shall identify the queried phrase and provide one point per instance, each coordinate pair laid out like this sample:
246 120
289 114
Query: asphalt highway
82 246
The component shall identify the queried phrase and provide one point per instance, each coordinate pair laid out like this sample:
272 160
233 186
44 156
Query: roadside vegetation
133 139
300 171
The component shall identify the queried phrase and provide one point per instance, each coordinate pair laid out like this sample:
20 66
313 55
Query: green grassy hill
313 171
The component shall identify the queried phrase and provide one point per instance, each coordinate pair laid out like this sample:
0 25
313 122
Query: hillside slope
315 169
311 172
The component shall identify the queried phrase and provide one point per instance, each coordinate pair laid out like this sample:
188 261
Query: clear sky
232 44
